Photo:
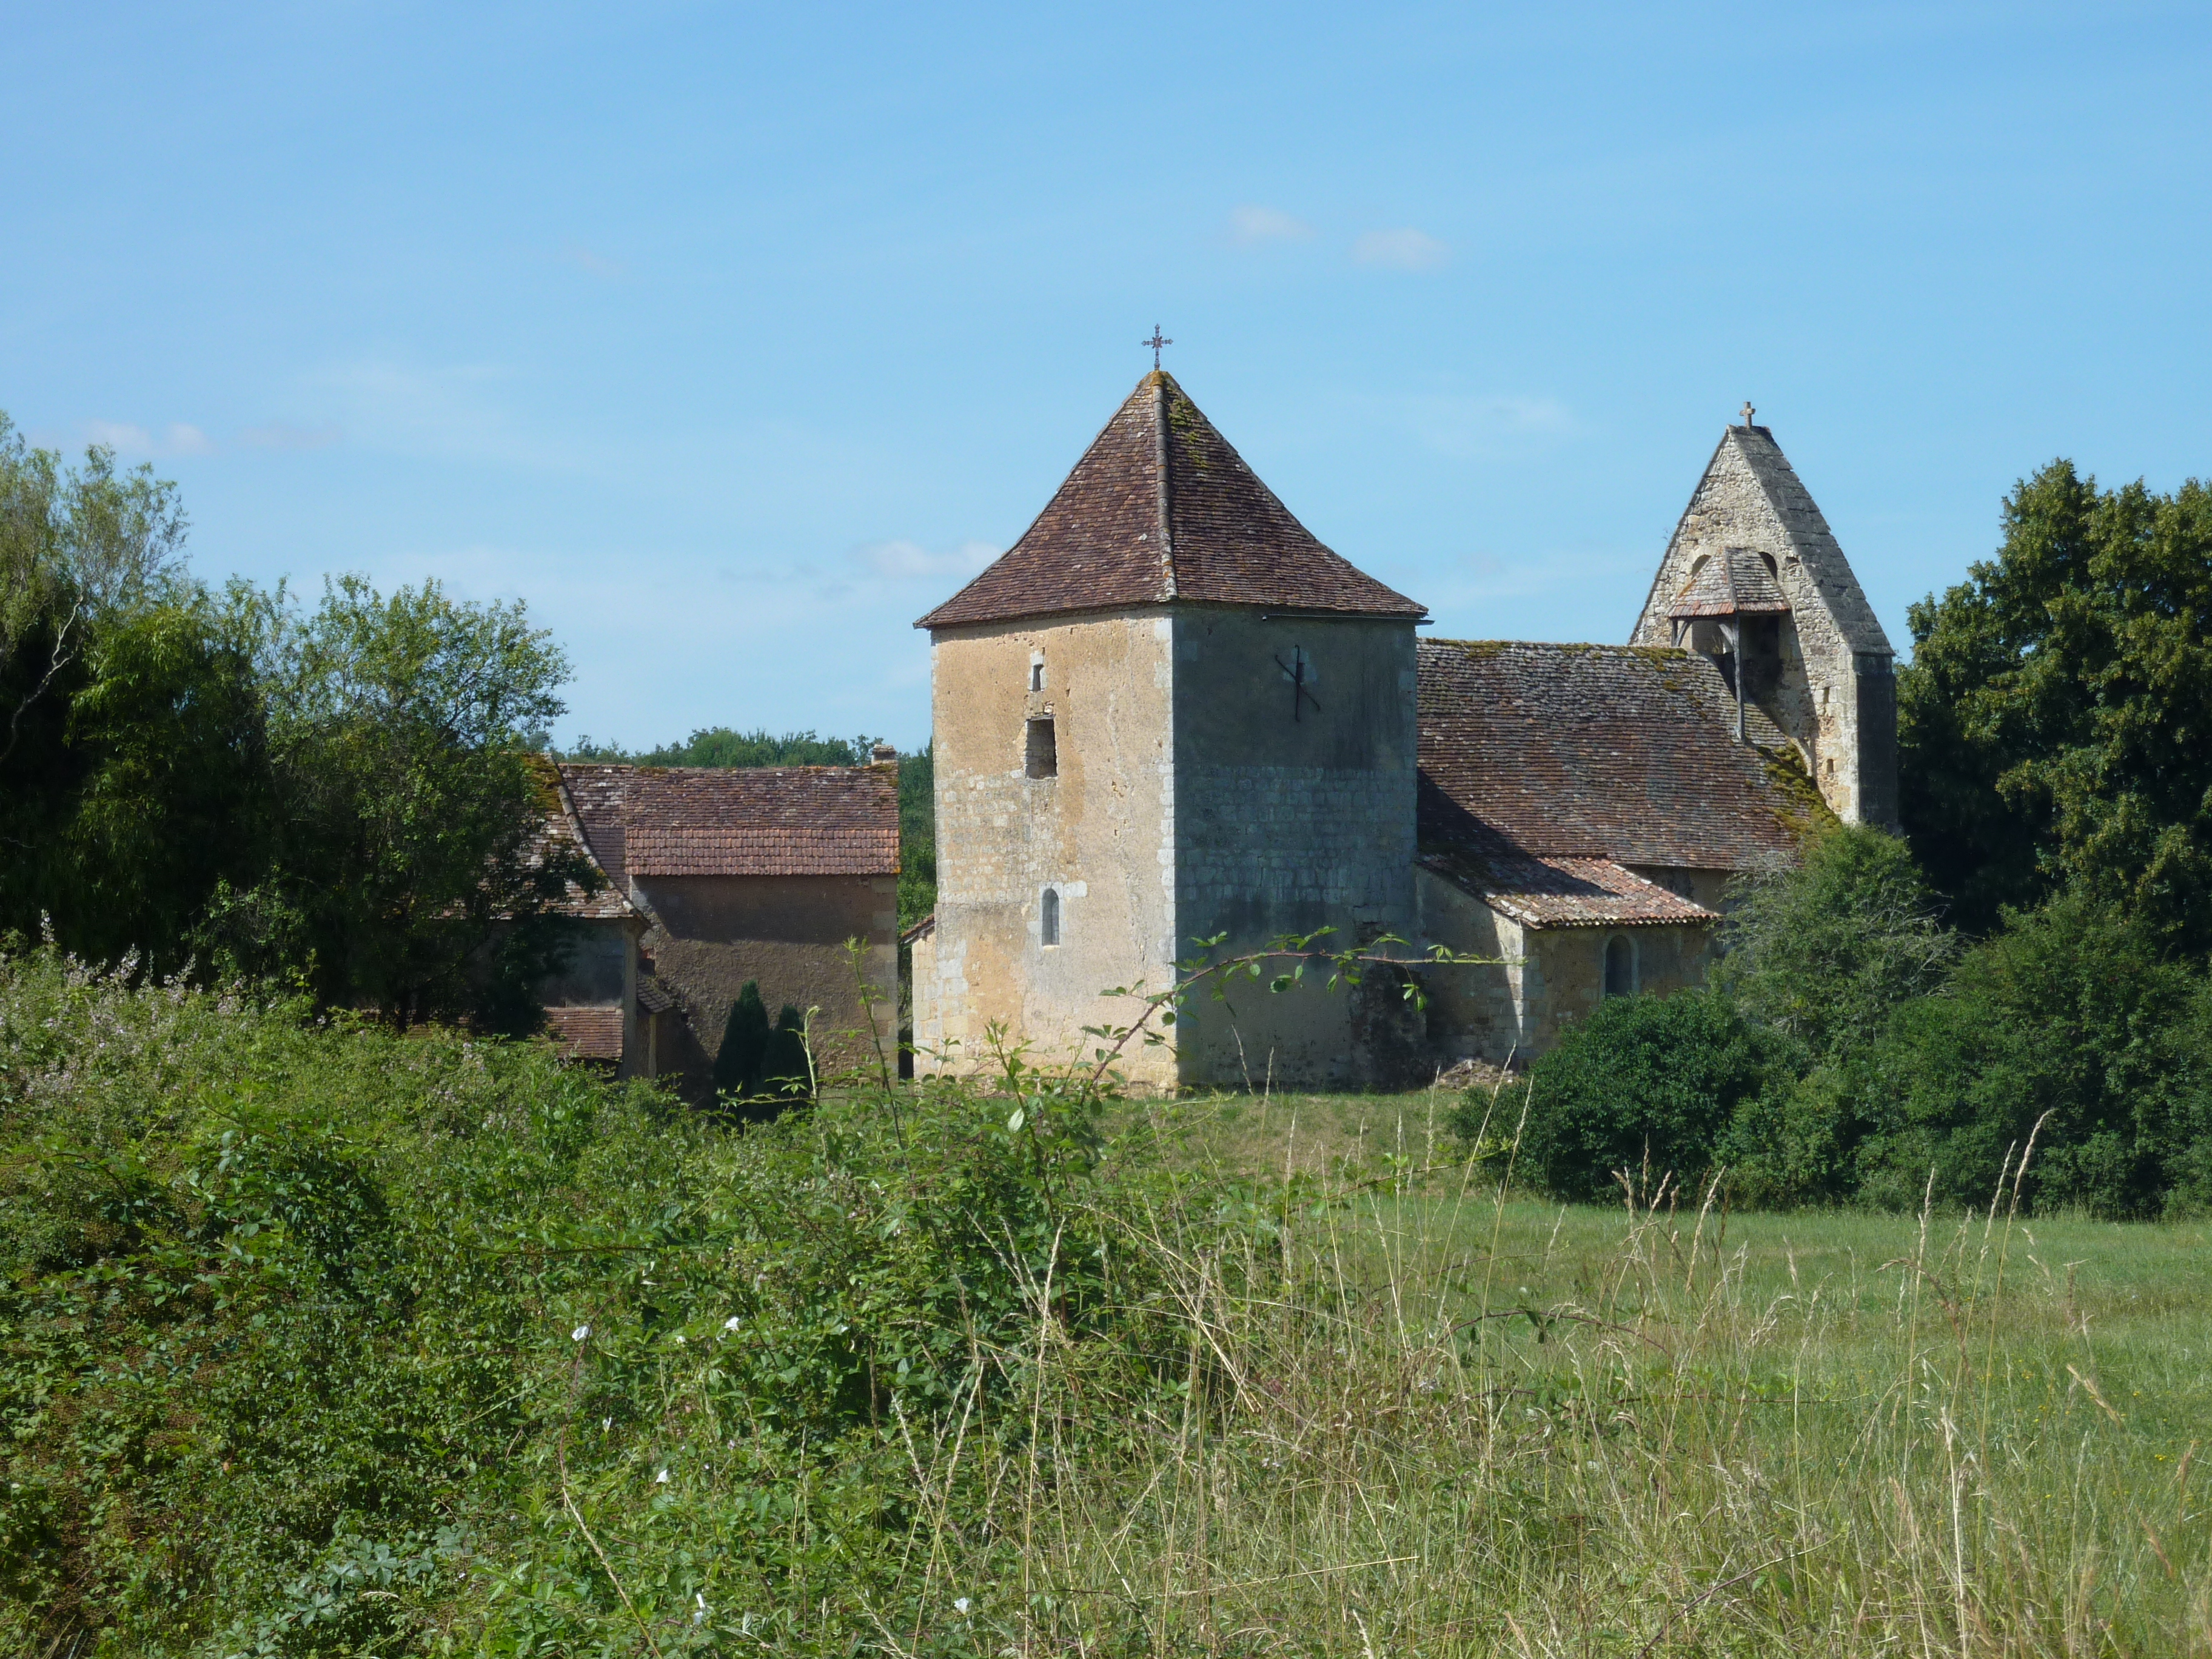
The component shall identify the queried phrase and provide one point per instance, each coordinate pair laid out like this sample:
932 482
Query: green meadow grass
1462 1424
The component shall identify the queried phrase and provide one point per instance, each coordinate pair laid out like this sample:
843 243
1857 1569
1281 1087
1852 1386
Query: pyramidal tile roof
1160 509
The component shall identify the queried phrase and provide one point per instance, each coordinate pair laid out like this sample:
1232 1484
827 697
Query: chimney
883 754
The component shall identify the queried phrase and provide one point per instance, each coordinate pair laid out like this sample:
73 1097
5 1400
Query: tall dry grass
1407 1414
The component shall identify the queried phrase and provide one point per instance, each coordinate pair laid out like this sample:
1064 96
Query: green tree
722 745
2072 1015
2055 724
917 786
1827 950
409 875
132 771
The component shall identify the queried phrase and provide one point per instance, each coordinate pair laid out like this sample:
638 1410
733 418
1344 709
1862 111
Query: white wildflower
580 1333
660 1479
960 1604
731 1323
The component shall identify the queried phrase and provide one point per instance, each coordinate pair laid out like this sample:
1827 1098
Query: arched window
1620 966
1048 918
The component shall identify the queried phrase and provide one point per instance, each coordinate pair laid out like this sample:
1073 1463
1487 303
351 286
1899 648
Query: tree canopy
2055 724
342 796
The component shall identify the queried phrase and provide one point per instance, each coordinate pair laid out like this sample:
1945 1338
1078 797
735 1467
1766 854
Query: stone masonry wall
1818 697
709 934
1098 834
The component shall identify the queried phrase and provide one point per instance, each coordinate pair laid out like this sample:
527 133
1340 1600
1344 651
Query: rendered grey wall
1290 820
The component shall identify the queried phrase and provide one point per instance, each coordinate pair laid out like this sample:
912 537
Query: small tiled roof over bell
1539 892
1159 509
1735 583
1625 753
745 821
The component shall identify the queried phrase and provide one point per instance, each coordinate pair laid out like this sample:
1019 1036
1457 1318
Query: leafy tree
408 875
1827 950
78 549
1644 1082
2072 1015
132 774
917 786
745 1033
2055 722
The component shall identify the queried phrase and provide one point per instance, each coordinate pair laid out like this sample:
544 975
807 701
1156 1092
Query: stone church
1168 714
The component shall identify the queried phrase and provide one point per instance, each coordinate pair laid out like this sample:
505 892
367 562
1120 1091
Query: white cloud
1401 250
1252 226
905 561
126 438
282 434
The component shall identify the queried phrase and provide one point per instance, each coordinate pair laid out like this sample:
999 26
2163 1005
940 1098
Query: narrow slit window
1620 966
1041 754
1036 675
1048 918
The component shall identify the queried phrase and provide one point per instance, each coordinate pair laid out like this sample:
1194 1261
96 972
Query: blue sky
732 337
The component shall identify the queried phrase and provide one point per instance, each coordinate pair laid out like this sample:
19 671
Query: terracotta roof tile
1595 751
739 821
1161 509
586 1033
1562 892
562 829
766 821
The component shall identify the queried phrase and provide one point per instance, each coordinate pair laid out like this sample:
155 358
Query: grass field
1457 1424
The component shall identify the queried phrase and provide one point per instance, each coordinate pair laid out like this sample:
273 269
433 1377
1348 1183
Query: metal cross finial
1158 340
1748 411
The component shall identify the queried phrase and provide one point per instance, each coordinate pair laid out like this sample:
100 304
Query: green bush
2071 1015
309 1327
1646 1085
1827 950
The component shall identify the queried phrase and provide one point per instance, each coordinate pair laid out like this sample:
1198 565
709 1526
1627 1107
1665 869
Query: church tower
1754 580
1168 713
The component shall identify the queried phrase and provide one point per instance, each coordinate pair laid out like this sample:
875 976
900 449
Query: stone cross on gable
1748 413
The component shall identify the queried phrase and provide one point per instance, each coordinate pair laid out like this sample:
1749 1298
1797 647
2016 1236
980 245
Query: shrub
1827 950
2072 1016
1647 1082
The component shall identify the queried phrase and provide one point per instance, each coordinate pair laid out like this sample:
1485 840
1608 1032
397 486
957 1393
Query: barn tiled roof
596 793
590 1032
1160 508
1735 583
1539 892
739 821
761 821
561 829
1597 751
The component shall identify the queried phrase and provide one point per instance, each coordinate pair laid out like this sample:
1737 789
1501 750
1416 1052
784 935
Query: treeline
2029 964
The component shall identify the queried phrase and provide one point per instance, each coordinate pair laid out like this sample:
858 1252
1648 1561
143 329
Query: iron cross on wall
1298 670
